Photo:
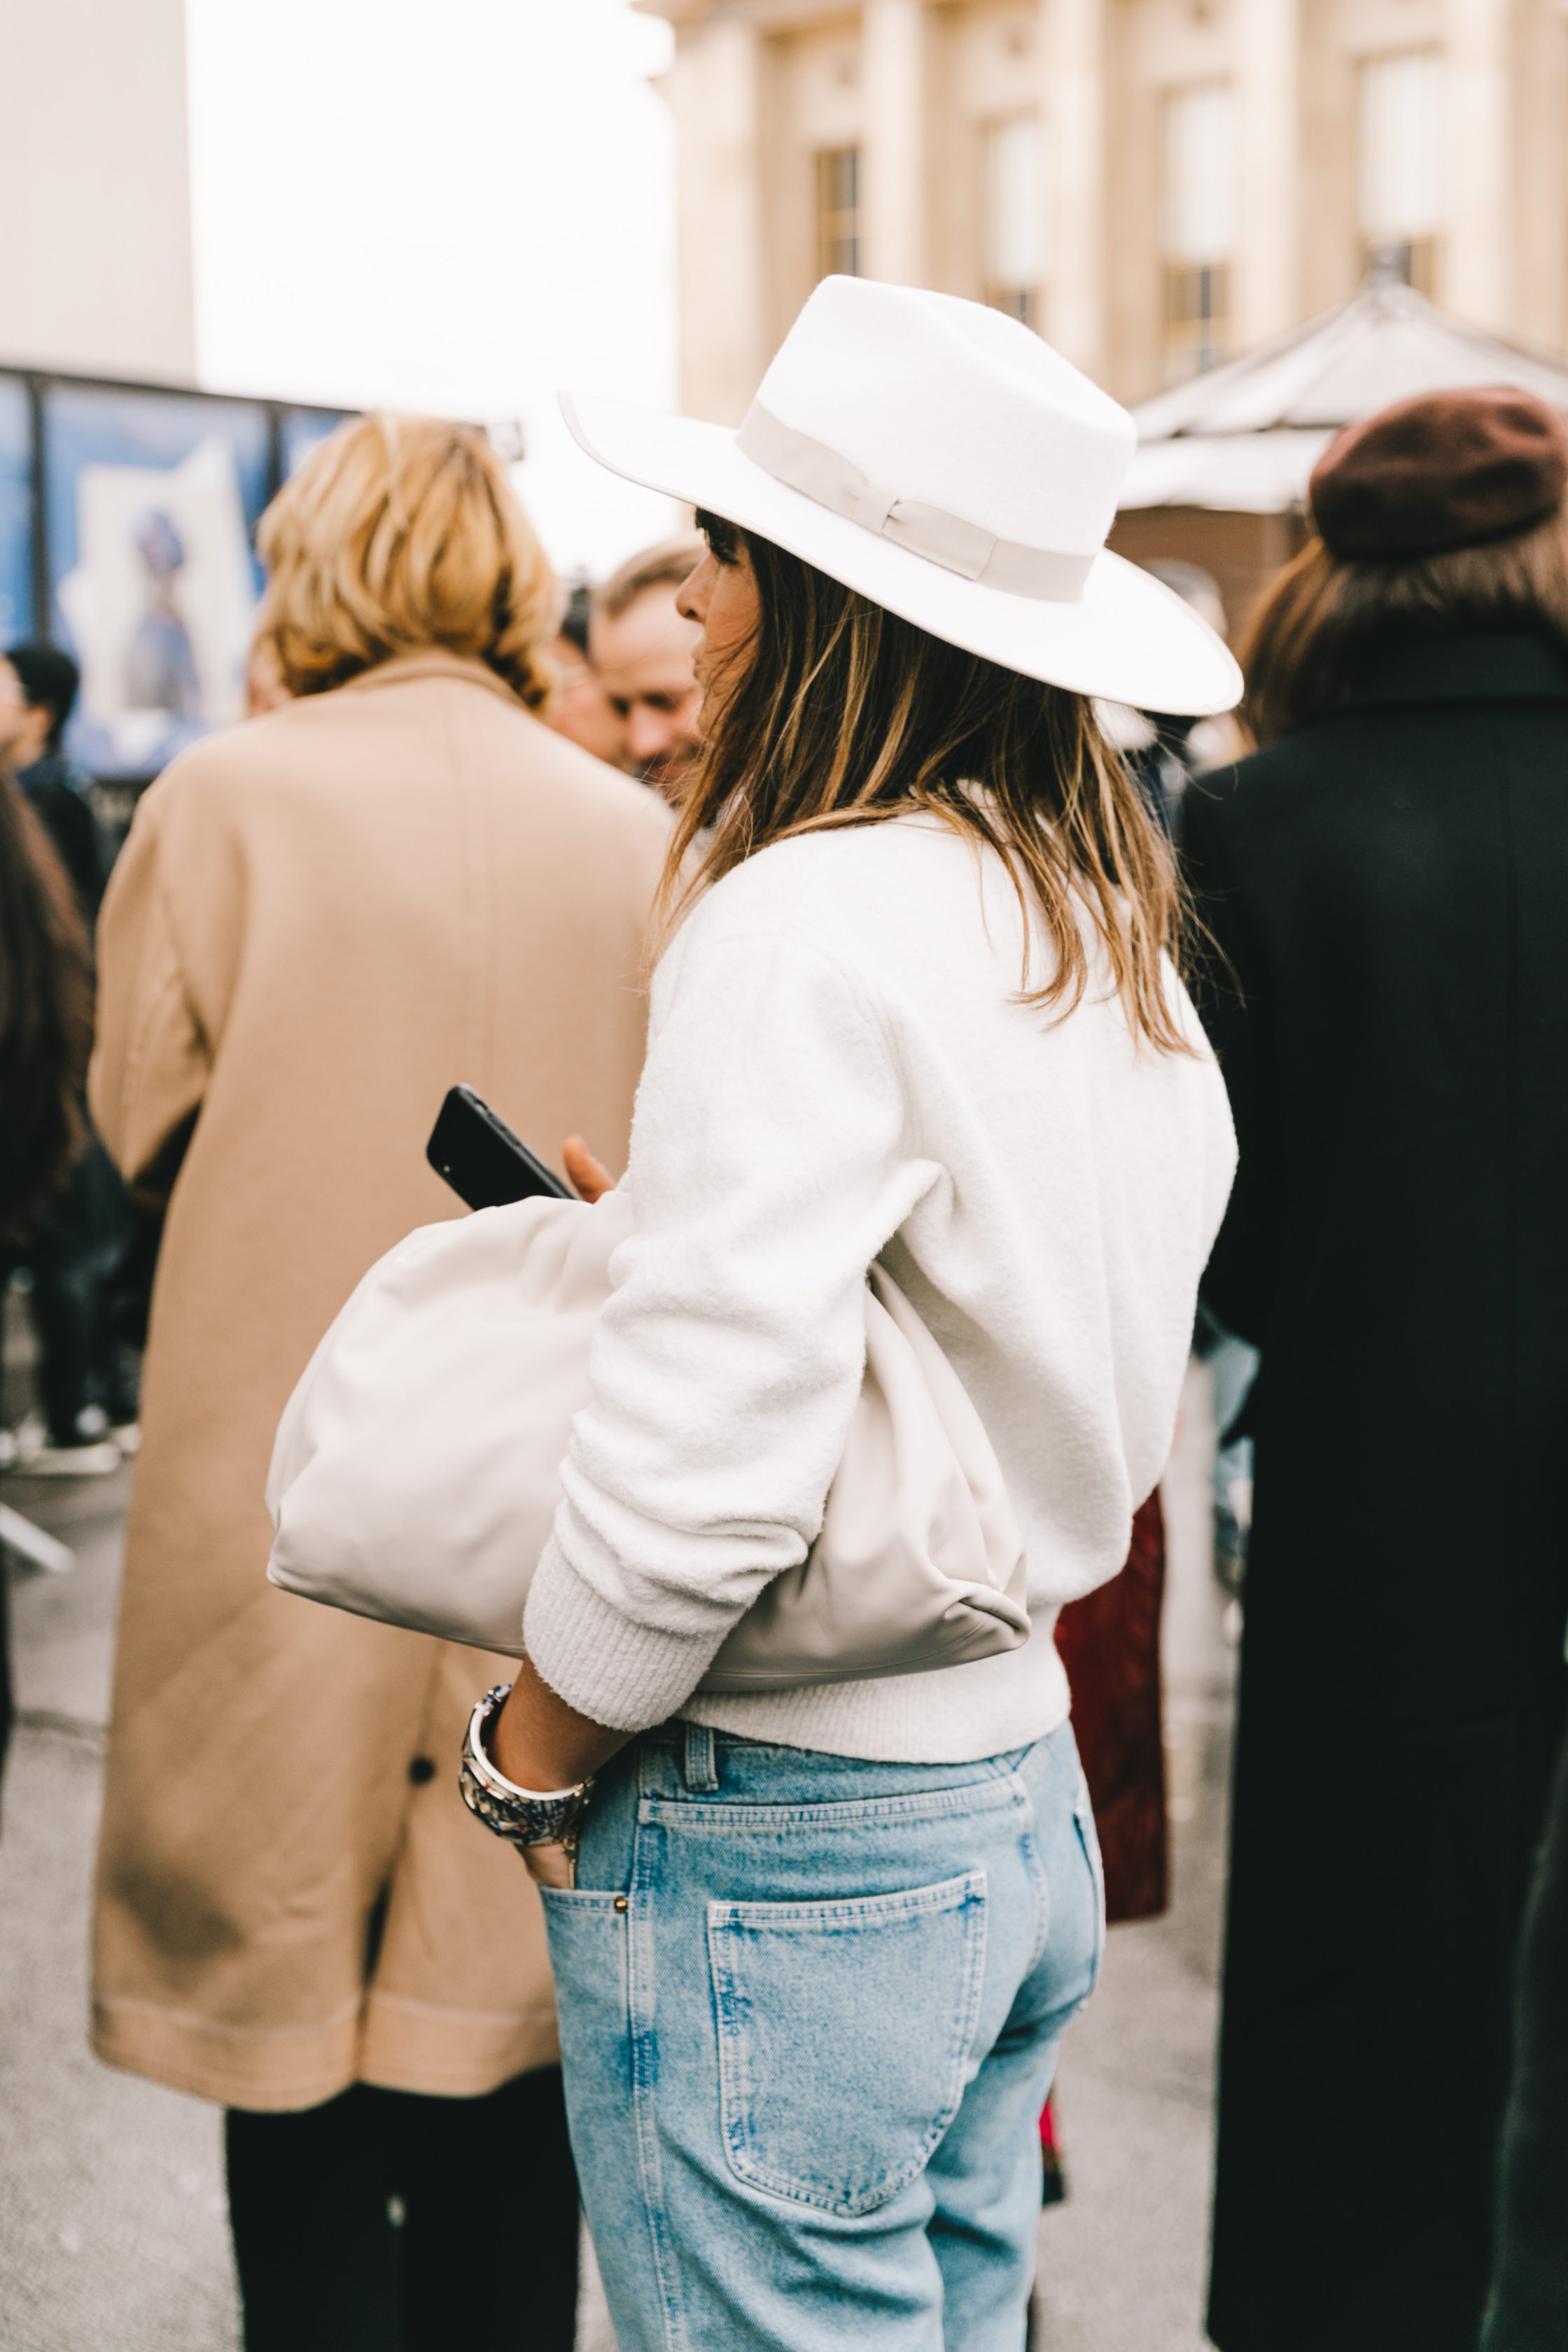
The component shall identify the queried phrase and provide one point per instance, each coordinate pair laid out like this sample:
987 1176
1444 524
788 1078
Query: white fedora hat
941 460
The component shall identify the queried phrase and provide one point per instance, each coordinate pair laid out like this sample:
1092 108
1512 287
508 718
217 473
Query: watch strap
522 1816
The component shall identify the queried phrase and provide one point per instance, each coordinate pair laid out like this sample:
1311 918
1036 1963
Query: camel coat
320 921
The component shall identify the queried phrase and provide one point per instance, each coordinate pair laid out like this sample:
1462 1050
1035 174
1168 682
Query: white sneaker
94 1458
72 1462
127 1435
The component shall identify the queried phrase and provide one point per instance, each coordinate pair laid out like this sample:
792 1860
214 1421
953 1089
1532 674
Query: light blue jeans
809 2010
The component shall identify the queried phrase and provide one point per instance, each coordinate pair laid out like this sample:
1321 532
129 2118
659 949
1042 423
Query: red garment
1110 1644
1053 2181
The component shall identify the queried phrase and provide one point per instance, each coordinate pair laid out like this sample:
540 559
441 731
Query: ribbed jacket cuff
626 1676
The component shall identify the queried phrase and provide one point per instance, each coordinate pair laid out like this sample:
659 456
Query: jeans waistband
700 1753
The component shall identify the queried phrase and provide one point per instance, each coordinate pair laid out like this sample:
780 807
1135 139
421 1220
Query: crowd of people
793 871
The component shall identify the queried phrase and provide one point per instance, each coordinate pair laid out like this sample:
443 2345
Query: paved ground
111 2217
113 2232
1122 2263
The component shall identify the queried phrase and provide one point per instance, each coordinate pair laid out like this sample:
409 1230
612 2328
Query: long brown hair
45 1012
398 534
840 713
1327 617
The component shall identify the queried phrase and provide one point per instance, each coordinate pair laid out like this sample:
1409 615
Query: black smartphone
484 1162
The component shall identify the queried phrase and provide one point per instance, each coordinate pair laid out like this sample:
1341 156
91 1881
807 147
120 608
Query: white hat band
967 548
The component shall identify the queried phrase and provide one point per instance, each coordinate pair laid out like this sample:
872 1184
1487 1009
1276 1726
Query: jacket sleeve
150 1062
1230 986
769 1164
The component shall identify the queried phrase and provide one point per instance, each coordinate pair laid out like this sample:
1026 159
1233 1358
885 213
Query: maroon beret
1447 469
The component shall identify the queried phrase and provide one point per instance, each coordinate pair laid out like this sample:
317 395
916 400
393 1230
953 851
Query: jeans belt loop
702 1765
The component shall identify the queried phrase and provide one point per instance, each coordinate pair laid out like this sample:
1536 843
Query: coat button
620 1902
420 1770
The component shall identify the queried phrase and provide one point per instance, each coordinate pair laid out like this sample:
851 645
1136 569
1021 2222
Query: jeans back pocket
845 2029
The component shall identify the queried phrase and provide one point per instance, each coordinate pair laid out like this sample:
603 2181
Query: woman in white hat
815 1948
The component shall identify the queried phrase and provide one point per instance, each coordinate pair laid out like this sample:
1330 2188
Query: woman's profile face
722 596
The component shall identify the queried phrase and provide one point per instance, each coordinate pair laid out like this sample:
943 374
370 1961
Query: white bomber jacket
839 1069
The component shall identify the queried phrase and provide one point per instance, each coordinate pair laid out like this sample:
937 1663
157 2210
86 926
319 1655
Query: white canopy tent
1240 442
1246 437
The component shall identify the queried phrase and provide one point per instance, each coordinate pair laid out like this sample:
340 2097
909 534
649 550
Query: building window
1012 202
838 211
1402 165
1199 225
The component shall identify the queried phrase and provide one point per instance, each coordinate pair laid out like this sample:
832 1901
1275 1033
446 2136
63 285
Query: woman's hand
591 1179
549 1866
540 1744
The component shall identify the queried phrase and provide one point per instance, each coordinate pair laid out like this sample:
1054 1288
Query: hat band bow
932 533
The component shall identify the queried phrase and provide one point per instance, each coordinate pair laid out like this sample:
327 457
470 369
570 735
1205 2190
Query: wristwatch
522 1816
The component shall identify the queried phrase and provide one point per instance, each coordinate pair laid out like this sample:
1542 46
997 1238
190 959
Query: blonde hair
398 534
839 713
1326 615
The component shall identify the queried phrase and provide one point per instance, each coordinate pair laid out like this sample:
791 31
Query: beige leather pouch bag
416 1473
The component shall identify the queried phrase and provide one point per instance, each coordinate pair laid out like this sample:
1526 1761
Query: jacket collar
1467 670
435 663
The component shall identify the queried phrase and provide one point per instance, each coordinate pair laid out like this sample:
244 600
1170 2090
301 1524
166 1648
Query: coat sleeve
151 1061
1230 985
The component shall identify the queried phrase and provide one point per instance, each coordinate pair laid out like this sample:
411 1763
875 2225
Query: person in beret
1383 884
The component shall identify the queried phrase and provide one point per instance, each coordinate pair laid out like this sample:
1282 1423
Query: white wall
95 243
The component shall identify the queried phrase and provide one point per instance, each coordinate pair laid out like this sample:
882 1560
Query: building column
1476 277
1072 52
712 87
892 200
1268 167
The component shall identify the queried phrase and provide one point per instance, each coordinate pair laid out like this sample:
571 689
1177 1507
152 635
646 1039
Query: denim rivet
620 1902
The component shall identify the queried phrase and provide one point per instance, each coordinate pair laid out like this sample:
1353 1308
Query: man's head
581 710
37 691
642 652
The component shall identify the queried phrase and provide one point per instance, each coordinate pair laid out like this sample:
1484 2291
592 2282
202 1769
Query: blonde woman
398 878
819 1946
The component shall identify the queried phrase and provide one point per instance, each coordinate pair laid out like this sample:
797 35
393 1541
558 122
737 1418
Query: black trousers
77 1252
384 2222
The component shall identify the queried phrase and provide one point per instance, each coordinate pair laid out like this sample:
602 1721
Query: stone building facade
1155 184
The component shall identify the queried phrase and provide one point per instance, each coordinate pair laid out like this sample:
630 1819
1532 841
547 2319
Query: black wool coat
1387 892
67 818
1529 2305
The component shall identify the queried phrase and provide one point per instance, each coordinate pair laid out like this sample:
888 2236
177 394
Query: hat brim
1129 638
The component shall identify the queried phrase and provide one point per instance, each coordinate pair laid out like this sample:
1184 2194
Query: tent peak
1386 344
